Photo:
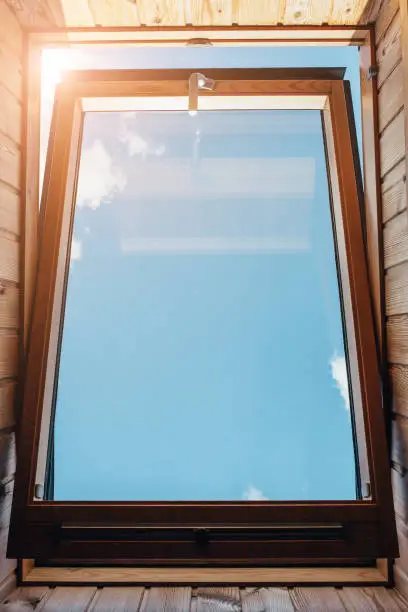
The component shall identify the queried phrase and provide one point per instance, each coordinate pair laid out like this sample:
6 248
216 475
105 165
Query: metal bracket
196 82
372 72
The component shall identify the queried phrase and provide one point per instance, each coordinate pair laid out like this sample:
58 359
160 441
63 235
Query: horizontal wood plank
317 599
394 192
397 339
399 387
370 600
9 259
399 450
391 97
395 235
11 34
7 404
8 355
389 51
9 306
10 160
396 290
389 8
11 71
392 144
9 210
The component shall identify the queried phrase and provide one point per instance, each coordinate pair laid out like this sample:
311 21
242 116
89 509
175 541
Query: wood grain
35 597
392 144
400 441
11 34
316 600
395 237
211 12
7 407
346 12
391 97
113 13
399 387
266 600
9 210
8 355
11 71
397 340
213 599
11 115
9 162
394 197
9 306
73 599
396 290
170 599
389 51
119 599
389 9
370 600
263 12
401 583
160 12
308 12
9 259
404 47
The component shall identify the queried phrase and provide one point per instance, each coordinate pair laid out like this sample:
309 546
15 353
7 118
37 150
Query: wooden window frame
197 533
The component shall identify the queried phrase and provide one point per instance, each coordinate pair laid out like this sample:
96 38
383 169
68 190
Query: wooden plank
401 583
213 599
308 12
11 34
395 237
29 597
167 599
9 258
210 12
206 575
404 47
389 51
114 13
389 9
120 599
7 586
160 12
370 599
11 71
397 341
11 115
391 97
263 12
396 290
266 600
9 306
9 162
6 496
7 404
399 451
402 530
394 198
9 210
399 386
346 12
76 13
316 599
8 355
74 599
7 458
392 144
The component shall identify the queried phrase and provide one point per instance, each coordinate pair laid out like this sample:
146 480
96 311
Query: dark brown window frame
261 533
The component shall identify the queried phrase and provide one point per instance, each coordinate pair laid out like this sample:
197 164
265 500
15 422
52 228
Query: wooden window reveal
245 532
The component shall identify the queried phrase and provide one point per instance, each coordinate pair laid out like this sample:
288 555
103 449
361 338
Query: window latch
196 82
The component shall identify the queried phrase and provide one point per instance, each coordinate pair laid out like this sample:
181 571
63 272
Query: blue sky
202 354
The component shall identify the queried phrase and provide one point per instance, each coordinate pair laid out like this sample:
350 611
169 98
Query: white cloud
99 178
76 249
251 493
136 145
339 373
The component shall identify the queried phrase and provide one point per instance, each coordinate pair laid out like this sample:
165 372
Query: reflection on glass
202 354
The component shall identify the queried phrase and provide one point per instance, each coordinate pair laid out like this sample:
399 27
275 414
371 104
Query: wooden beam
404 45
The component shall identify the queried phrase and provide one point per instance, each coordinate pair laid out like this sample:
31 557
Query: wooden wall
395 227
11 50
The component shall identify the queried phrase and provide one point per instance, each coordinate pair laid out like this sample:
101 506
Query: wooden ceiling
159 13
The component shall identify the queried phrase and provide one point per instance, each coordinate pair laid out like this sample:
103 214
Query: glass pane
202 354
